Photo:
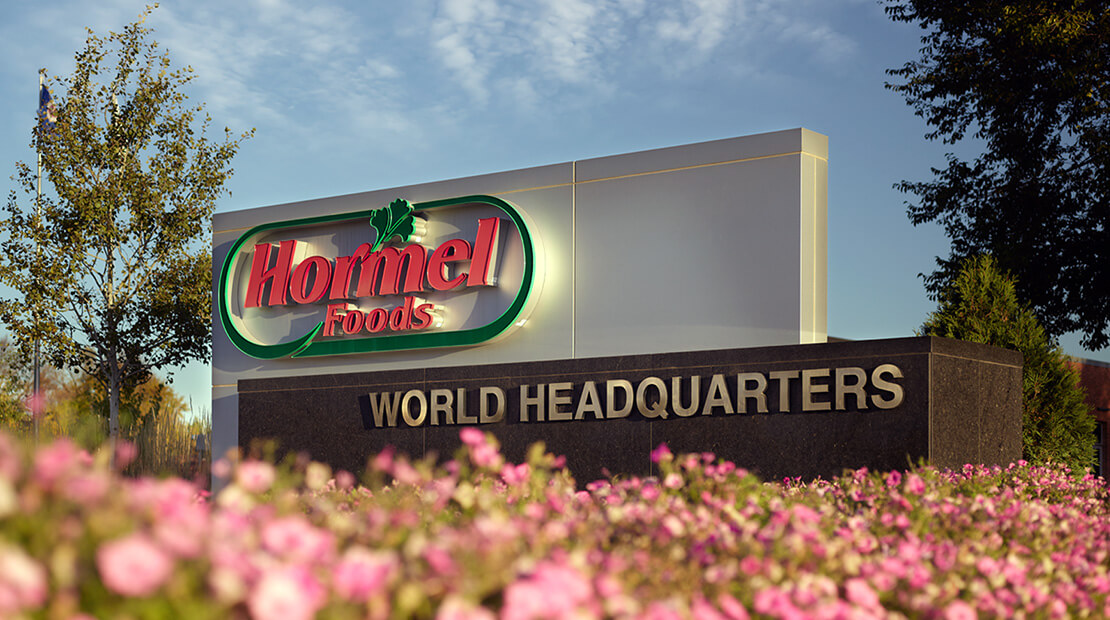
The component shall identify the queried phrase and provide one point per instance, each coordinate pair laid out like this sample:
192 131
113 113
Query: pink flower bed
482 538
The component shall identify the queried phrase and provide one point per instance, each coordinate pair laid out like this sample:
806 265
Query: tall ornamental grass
167 445
482 538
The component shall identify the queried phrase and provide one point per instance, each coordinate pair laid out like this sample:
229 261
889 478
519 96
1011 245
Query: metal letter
718 396
659 409
857 389
277 276
555 400
344 267
452 251
896 392
588 401
460 408
611 386
531 401
314 269
676 396
809 388
406 415
484 262
499 412
441 403
743 393
382 407
784 377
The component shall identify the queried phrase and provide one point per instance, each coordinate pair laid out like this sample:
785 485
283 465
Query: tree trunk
114 381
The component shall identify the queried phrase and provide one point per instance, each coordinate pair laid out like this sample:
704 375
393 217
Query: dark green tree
111 267
981 305
1028 83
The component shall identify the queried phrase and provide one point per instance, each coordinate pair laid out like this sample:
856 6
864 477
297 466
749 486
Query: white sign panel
706 246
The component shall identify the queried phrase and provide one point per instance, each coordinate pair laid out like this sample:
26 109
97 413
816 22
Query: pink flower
439 561
405 473
133 565
804 515
22 582
86 487
515 475
751 566
659 611
702 610
894 478
485 456
56 460
184 533
344 479
525 600
959 610
914 484
286 593
660 454
472 437
552 591
10 458
361 573
125 453
383 461
456 608
221 468
296 539
858 592
255 476
733 608
776 602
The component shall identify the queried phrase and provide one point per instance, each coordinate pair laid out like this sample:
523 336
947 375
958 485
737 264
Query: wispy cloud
329 70
588 44
700 25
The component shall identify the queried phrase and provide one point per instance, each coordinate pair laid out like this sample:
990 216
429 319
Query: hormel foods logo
444 273
374 271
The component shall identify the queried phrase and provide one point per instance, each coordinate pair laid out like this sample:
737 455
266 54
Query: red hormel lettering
373 272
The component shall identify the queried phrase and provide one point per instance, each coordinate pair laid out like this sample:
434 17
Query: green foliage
111 268
392 221
139 407
981 305
1029 83
13 389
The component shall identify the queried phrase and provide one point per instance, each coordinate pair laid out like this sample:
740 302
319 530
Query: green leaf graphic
392 221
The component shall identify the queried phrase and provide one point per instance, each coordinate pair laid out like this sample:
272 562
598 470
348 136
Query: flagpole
36 400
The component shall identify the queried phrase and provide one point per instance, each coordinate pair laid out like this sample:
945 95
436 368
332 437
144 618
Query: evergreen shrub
980 305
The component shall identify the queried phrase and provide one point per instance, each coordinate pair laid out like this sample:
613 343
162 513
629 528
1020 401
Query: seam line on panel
573 257
696 166
619 176
813 266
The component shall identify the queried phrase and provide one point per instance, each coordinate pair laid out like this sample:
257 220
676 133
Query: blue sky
349 96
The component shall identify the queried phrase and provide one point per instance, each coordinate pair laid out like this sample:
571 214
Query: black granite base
961 403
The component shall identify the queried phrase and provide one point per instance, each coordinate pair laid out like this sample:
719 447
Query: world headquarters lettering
780 391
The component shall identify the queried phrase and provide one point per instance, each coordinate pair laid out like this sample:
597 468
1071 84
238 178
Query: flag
48 113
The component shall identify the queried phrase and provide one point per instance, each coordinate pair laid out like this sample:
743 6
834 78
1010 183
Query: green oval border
305 346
